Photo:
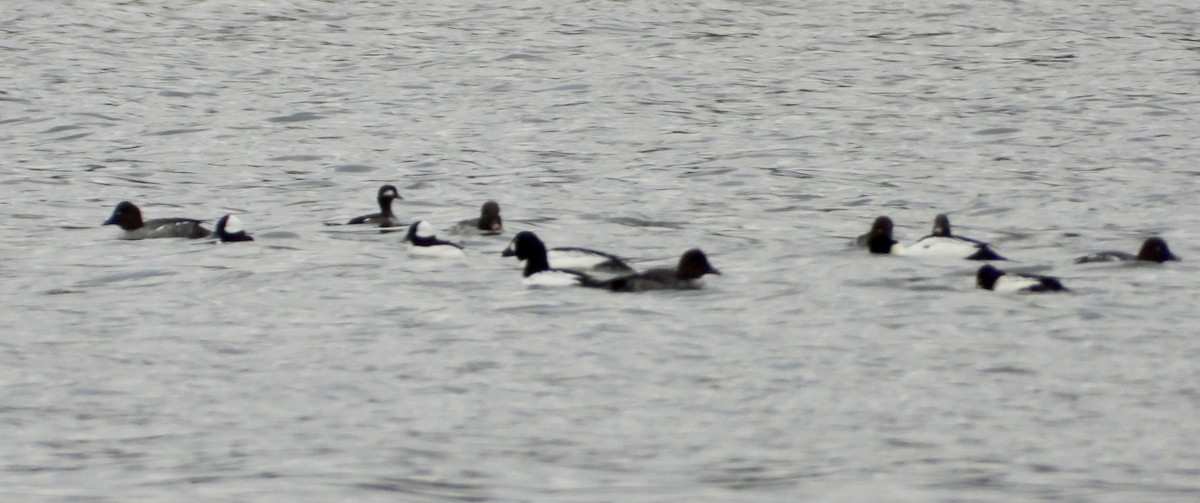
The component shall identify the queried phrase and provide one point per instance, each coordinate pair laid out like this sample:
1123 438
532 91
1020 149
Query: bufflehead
422 242
229 230
528 247
385 217
575 258
129 218
990 278
488 223
941 243
1153 250
692 266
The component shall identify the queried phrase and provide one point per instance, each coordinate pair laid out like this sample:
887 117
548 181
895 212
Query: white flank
552 278
436 251
574 259
938 246
1010 283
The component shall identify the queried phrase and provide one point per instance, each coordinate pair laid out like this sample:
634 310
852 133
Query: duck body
1153 249
423 243
385 217
128 217
229 230
527 247
489 222
990 278
693 265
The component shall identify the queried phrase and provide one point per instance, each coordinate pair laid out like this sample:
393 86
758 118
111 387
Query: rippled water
320 363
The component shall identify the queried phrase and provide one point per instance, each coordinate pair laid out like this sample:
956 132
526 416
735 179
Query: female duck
693 265
128 217
385 217
1153 250
489 222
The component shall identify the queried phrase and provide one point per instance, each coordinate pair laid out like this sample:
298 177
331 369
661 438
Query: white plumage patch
1010 283
424 230
574 259
233 225
436 251
938 246
552 278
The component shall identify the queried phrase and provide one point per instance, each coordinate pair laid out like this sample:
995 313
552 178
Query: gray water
320 363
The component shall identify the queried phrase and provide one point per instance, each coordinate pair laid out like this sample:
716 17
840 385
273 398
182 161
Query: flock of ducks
566 266
941 242
573 266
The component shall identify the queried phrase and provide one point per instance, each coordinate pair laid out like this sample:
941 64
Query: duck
991 278
128 217
528 247
880 241
385 217
693 265
488 223
942 243
422 242
1153 249
229 230
576 258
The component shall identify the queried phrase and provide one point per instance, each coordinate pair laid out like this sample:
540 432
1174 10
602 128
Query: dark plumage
385 217
528 247
692 266
880 240
128 217
573 258
229 230
990 278
1153 250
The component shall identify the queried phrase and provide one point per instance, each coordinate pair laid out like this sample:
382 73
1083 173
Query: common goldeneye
1153 250
129 218
575 258
692 266
990 278
880 240
488 223
229 230
385 217
422 242
528 247
941 243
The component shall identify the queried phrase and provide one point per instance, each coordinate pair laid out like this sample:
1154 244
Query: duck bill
111 221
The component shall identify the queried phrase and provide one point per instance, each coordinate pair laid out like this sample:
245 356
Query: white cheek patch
233 225
424 230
